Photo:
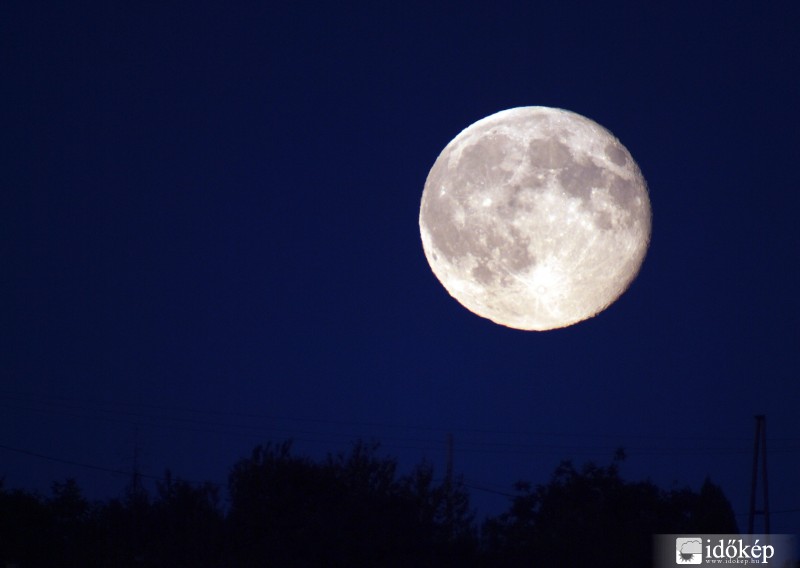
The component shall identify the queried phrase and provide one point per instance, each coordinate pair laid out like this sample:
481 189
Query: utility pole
136 501
759 447
449 465
135 488
448 482
136 479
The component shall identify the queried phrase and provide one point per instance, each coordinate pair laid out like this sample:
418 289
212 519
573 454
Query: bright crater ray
535 218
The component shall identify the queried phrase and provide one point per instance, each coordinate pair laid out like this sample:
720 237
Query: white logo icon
689 550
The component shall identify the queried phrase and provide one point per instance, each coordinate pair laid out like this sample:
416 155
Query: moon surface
536 218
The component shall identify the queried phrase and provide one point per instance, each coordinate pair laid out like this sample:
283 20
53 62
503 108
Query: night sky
209 240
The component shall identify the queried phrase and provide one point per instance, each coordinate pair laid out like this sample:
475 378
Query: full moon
536 218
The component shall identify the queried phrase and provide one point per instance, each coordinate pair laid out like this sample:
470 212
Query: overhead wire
473 441
265 427
95 467
263 432
172 410
468 483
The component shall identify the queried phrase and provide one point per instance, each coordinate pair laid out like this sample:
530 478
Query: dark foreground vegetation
353 510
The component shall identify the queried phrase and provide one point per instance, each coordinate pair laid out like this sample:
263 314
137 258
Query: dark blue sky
209 239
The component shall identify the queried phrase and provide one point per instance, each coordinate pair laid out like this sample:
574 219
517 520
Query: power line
97 467
473 446
470 484
489 490
69 462
97 406
259 432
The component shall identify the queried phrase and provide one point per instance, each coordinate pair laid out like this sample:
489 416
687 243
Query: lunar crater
616 154
549 154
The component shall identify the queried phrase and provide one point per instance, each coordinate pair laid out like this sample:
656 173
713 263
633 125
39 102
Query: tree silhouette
70 517
353 509
443 508
591 516
186 524
350 510
24 523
